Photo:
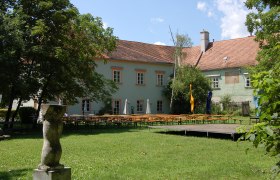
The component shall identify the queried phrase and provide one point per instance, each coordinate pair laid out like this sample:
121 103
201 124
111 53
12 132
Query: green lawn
122 153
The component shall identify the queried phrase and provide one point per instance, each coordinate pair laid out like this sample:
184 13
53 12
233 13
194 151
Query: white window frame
159 106
116 106
247 80
140 106
87 103
214 80
140 78
159 79
116 76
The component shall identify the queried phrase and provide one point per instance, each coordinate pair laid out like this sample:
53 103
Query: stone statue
52 129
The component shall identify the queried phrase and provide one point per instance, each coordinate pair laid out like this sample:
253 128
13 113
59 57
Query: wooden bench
218 118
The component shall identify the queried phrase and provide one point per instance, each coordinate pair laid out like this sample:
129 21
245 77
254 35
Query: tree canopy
186 75
178 89
48 50
265 23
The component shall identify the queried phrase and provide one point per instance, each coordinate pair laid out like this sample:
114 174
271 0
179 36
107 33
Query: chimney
204 40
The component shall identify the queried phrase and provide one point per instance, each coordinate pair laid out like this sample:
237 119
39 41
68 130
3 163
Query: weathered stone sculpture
50 168
52 129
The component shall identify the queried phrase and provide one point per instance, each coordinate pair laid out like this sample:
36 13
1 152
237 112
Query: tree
265 23
73 75
56 54
180 42
11 47
187 75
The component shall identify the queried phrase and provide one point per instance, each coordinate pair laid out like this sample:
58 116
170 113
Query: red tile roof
239 52
233 53
142 52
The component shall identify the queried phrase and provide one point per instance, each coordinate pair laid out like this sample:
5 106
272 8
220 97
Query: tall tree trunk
40 100
172 89
15 113
9 112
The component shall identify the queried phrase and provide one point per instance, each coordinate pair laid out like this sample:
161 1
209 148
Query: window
140 105
140 78
159 106
116 106
215 82
85 105
117 74
247 81
159 79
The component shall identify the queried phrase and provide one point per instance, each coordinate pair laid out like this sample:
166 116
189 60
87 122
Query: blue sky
149 20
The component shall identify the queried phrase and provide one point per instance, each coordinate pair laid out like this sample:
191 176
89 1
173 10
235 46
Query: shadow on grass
85 130
203 134
101 129
14 174
74 130
25 133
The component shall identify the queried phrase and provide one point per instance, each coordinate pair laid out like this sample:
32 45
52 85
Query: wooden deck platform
227 129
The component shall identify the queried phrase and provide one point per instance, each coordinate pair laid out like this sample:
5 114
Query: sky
148 21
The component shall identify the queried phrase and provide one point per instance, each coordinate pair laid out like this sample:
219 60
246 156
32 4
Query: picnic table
149 119
219 117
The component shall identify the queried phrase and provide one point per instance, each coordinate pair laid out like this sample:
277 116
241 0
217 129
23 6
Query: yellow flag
191 99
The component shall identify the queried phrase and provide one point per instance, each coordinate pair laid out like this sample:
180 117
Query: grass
122 153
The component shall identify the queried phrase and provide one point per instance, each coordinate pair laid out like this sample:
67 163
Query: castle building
141 71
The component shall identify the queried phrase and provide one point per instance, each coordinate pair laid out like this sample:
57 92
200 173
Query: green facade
128 88
230 81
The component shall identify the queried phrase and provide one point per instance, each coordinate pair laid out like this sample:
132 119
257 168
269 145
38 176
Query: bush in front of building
180 88
27 115
215 108
107 108
226 102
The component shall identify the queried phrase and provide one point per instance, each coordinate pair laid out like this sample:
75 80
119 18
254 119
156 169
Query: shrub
185 76
226 100
215 108
200 108
237 112
27 114
107 108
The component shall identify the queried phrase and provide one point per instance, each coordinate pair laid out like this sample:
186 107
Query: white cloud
159 43
201 6
233 19
210 14
157 20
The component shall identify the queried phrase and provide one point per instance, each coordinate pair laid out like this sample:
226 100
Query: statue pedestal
59 174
